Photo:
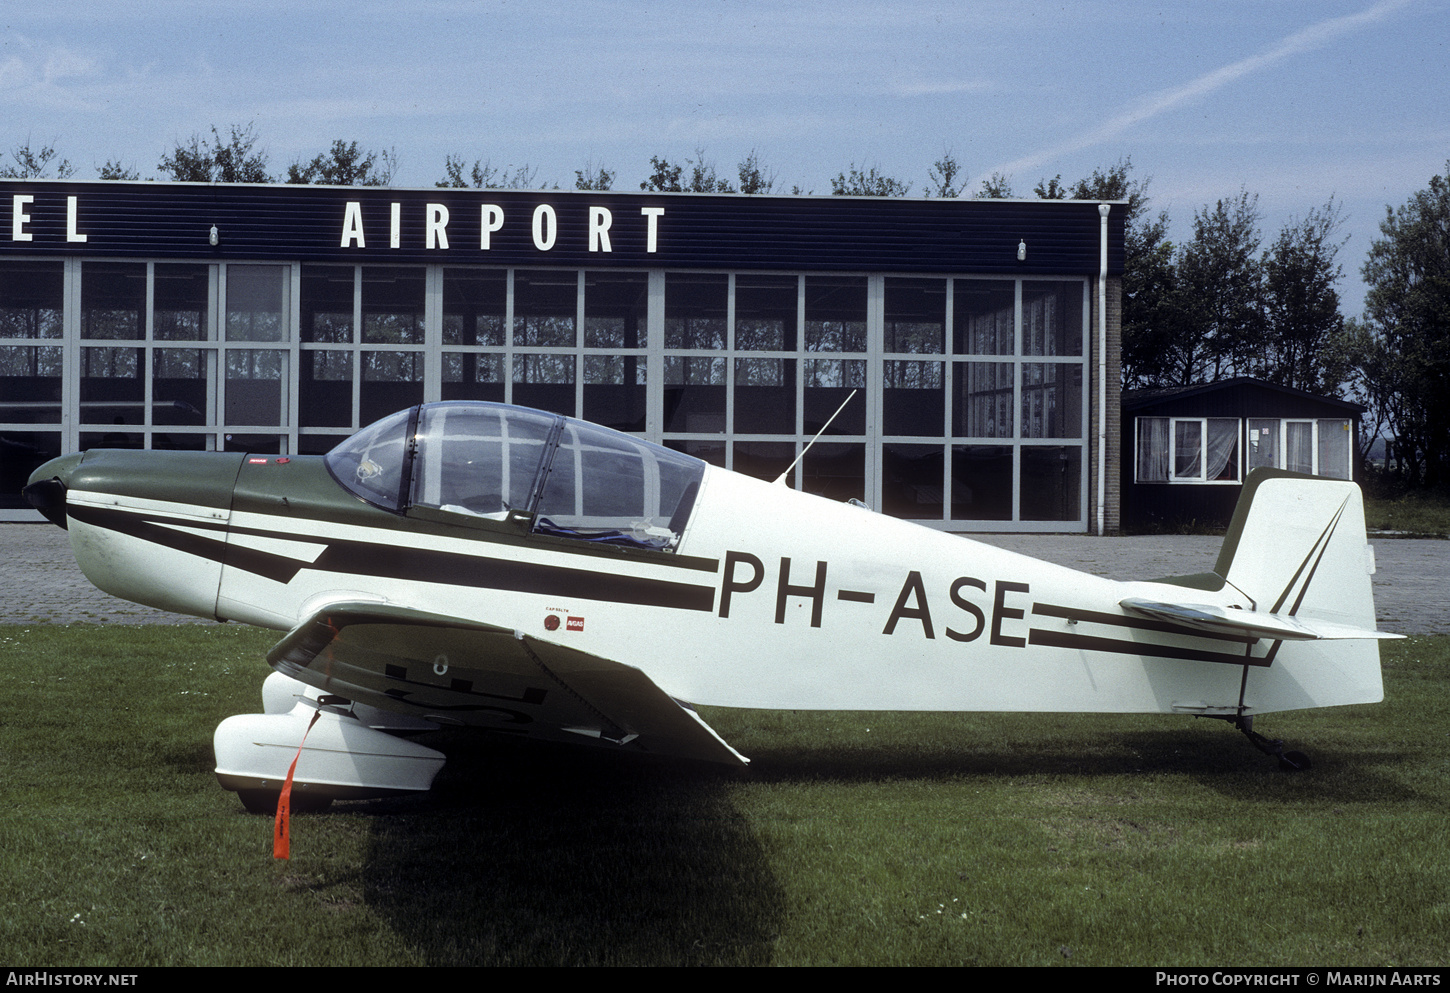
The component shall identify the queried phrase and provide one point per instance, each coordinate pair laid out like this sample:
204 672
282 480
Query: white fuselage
773 599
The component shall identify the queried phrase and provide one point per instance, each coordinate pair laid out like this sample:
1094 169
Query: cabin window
500 463
478 459
608 487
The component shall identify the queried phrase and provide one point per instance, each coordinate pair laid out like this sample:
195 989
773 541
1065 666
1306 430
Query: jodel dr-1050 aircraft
504 568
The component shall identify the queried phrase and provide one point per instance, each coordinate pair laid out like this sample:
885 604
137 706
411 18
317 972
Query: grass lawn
852 838
1417 512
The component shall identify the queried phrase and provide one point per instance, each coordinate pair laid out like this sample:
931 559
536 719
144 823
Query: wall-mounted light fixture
1021 249
215 237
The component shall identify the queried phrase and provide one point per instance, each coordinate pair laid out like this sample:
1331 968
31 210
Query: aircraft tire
265 802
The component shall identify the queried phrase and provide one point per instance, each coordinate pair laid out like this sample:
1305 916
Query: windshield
568 478
370 463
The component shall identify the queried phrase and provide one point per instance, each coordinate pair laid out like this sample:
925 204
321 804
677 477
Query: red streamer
281 839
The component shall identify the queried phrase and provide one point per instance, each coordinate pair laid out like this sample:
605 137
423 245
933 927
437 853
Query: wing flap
457 672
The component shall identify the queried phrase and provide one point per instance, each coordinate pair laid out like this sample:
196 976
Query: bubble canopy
556 475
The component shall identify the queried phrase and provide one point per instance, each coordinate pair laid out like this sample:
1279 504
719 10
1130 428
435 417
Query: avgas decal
911 610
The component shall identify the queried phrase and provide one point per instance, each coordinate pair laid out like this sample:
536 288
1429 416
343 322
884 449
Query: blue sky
1294 101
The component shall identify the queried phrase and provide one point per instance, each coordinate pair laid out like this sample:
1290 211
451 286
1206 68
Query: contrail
1301 41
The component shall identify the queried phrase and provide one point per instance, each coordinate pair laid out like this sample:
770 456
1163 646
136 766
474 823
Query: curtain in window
1299 446
1263 443
1152 449
1334 448
1223 444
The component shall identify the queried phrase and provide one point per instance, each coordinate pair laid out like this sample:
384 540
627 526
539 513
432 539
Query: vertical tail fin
1297 546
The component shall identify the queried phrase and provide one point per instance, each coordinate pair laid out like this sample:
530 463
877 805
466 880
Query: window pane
1222 461
1052 318
30 380
325 397
981 483
913 398
31 298
21 453
614 309
983 407
545 381
1152 449
113 300
327 299
765 396
179 386
695 310
915 315
546 308
1051 483
765 313
1299 446
763 459
391 381
473 306
1334 448
911 481
1187 450
614 391
256 302
829 383
1263 444
1051 400
256 390
835 471
470 376
181 294
112 390
695 394
982 317
392 305
835 313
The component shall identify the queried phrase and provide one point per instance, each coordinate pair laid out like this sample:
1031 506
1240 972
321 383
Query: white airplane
481 565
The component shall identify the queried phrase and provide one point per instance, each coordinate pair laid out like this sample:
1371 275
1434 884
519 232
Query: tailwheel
1288 761
1295 762
265 802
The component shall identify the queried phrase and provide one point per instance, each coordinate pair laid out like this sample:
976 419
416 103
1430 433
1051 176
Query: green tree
753 179
230 160
117 170
671 178
1051 189
997 186
483 176
1219 294
664 179
868 183
1407 316
593 178
35 163
946 178
1301 304
1152 319
346 165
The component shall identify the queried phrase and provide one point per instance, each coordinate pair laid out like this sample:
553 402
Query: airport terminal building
981 337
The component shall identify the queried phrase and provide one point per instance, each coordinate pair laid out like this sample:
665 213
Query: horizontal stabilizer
1259 624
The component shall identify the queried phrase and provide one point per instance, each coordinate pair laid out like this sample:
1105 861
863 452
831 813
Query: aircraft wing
1259 624
465 673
